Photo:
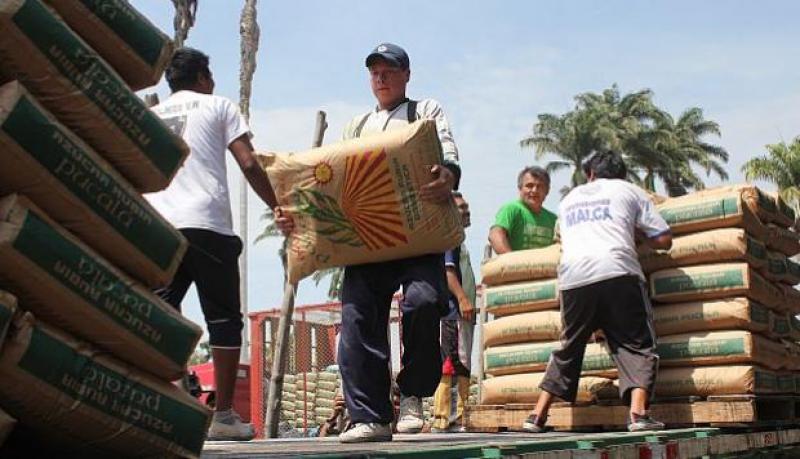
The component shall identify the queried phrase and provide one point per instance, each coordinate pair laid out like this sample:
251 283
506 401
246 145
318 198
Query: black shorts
212 263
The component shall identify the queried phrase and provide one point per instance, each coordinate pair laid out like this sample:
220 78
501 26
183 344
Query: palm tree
185 12
653 143
561 136
781 166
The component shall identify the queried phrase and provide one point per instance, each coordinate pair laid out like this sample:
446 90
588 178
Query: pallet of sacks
80 248
521 292
328 386
729 280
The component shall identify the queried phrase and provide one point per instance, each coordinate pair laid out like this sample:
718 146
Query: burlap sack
522 265
792 276
323 394
81 191
304 404
668 319
779 327
775 270
720 348
786 383
327 376
794 327
6 426
783 215
67 390
697 316
121 35
530 357
783 240
525 389
86 95
8 307
732 206
358 201
791 299
714 246
793 360
712 282
522 328
64 282
323 402
523 297
715 380
327 385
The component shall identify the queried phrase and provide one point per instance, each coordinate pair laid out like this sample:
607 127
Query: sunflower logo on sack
323 173
368 211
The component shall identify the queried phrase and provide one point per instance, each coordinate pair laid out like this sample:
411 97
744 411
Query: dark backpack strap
360 127
412 111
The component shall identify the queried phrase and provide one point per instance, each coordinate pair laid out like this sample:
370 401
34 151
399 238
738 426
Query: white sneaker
366 432
410 419
228 425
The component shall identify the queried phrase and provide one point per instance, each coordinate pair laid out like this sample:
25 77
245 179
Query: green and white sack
698 316
533 357
69 392
715 380
783 240
522 297
522 265
521 328
64 282
524 388
709 282
81 191
721 348
86 94
714 246
130 43
730 206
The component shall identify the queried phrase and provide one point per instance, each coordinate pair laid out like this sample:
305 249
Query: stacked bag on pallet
89 358
308 398
328 385
522 294
724 297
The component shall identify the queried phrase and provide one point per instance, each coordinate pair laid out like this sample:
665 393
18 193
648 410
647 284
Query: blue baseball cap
391 53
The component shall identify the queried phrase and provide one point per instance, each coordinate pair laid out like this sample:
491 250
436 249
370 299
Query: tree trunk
185 11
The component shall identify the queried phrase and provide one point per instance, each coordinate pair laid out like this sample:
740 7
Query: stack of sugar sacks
88 360
522 294
328 385
723 294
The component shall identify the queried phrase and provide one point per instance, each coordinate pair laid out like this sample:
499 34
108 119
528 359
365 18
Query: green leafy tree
781 166
656 146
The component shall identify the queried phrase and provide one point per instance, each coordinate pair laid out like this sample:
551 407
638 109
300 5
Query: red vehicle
207 388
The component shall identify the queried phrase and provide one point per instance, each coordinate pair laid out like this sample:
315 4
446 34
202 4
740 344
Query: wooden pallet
716 411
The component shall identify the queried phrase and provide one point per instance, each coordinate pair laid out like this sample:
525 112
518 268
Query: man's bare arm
244 153
498 238
464 305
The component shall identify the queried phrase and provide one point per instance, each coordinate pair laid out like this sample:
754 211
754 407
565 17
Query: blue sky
495 65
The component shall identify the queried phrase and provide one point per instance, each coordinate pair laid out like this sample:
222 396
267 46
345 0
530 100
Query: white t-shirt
597 222
198 196
385 120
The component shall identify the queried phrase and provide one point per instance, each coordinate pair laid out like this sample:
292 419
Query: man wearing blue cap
368 289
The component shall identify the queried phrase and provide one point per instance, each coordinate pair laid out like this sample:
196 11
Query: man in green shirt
524 223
